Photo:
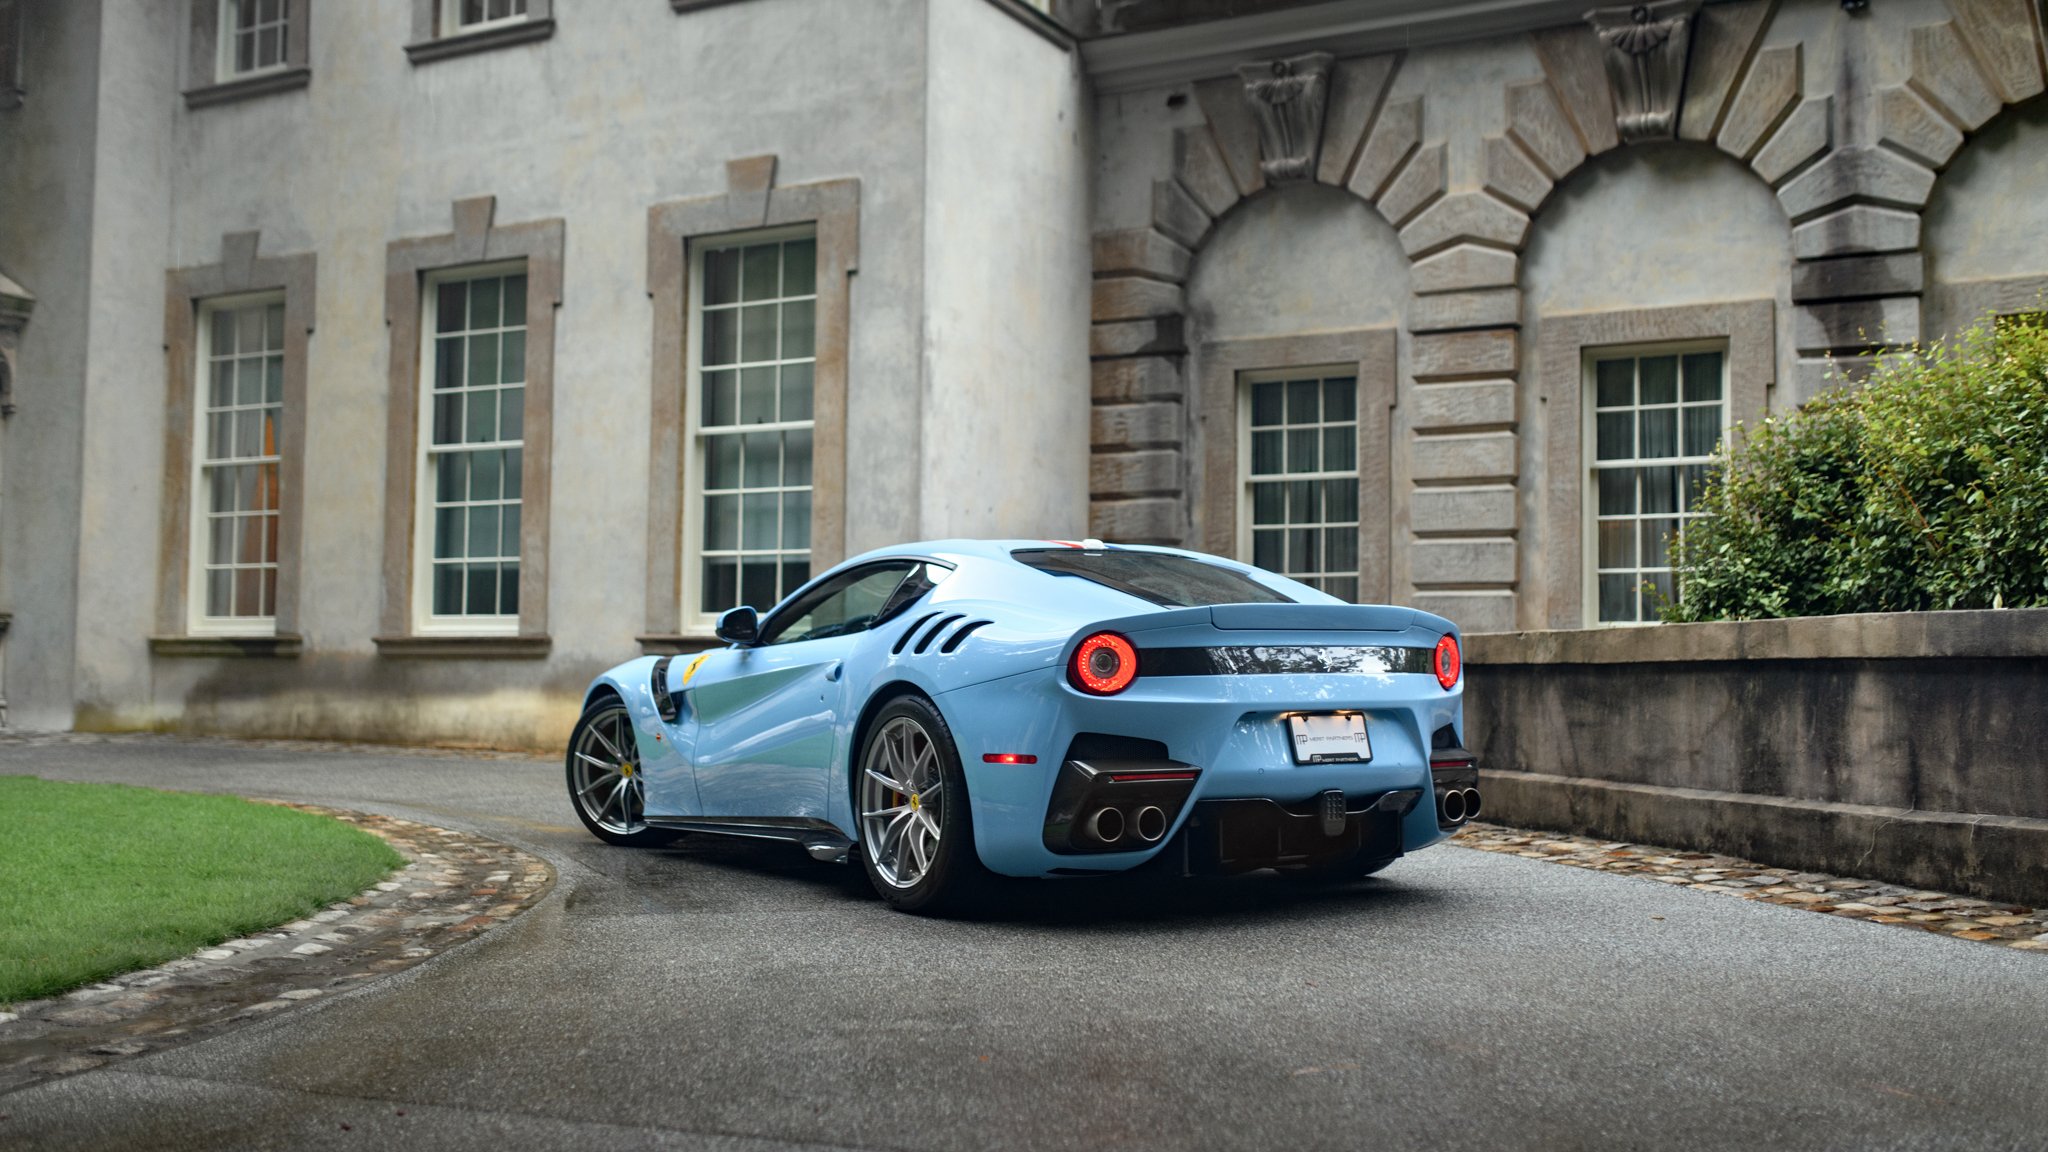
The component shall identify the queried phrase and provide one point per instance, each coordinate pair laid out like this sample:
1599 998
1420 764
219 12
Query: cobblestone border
452 887
1962 917
39 739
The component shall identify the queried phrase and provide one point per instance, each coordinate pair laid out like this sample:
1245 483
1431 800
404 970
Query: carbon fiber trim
1287 660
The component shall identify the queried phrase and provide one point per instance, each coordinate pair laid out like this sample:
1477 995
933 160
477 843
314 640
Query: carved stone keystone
1647 46
1287 99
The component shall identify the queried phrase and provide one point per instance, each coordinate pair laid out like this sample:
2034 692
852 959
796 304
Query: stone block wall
1849 119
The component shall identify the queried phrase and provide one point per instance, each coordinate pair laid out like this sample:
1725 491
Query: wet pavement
724 994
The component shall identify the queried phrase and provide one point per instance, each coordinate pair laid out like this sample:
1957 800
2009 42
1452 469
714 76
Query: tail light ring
1447 662
1090 672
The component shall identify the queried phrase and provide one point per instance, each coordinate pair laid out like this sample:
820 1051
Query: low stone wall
1911 747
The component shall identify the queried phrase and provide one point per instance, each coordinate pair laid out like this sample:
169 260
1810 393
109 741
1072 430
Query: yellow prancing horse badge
692 669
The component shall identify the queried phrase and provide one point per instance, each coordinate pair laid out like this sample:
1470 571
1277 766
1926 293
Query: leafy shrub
1927 488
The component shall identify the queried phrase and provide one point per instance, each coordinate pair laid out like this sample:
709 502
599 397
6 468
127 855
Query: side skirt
820 838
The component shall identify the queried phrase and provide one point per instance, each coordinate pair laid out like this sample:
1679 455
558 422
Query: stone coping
2011 633
453 886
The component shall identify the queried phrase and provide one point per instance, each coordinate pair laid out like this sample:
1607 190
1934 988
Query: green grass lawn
98 879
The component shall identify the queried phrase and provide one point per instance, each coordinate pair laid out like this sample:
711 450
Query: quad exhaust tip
1151 823
1458 805
1453 807
1107 825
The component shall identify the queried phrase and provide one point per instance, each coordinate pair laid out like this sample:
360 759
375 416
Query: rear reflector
1008 758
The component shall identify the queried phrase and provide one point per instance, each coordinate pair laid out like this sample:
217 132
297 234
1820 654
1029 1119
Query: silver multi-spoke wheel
902 801
604 772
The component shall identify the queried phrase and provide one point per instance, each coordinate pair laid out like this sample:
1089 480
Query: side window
852 603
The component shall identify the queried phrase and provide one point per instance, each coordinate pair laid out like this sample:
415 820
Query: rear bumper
1227 728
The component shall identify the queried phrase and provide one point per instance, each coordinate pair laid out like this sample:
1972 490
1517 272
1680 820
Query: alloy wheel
606 777
902 801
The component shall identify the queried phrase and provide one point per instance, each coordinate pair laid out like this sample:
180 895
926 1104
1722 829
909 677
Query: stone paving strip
452 887
1962 917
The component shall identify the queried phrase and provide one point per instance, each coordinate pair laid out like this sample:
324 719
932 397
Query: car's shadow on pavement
1151 896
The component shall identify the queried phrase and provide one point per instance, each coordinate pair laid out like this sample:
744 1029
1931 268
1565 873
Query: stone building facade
383 368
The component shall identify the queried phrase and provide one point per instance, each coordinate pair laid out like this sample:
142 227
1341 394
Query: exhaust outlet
1151 823
1471 803
1107 825
1452 807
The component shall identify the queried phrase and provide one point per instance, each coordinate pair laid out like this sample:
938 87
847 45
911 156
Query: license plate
1329 738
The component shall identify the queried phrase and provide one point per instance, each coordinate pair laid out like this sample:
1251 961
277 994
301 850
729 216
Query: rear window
1163 579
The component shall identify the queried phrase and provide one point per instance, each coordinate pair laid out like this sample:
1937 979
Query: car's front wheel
605 786
916 833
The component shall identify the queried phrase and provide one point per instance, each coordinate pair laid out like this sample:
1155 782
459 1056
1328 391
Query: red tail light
1104 664
1448 663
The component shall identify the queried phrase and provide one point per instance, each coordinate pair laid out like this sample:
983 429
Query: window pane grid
475 445
1658 424
1302 481
464 15
756 318
255 34
240 453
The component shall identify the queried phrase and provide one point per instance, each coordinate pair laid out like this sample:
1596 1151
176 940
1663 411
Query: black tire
605 788
952 877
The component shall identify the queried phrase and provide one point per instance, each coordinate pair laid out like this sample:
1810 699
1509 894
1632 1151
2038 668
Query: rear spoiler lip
1374 618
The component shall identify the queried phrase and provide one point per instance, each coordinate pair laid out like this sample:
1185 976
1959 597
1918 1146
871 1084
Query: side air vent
909 632
933 633
961 633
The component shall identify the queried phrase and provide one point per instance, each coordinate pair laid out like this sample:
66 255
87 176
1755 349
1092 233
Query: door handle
832 673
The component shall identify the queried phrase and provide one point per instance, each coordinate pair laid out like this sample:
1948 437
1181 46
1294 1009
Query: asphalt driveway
738 996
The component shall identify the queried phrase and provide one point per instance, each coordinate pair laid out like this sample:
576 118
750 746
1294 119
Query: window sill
480 647
677 645
690 5
248 87
285 645
488 39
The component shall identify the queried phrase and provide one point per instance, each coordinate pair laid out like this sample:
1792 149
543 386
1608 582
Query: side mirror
740 625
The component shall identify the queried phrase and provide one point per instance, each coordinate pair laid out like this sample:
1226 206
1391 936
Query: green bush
1926 488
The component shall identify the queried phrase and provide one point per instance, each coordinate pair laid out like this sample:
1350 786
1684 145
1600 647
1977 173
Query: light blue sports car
947 710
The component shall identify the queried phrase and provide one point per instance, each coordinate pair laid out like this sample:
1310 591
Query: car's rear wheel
605 786
916 833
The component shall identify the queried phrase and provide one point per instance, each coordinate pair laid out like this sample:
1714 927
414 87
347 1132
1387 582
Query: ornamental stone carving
1646 47
15 305
1287 98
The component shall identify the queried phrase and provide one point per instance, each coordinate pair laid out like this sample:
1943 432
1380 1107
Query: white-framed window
237 465
1298 475
252 37
459 16
751 356
472 437
1654 423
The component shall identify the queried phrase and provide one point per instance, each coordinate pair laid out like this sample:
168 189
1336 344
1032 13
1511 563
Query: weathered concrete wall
1006 281
1654 226
1989 196
123 430
1305 259
1901 731
47 156
624 106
